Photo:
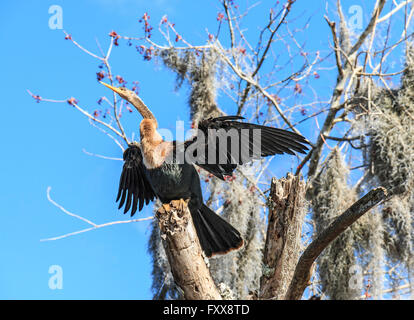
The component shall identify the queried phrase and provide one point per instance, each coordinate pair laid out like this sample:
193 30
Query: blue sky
42 143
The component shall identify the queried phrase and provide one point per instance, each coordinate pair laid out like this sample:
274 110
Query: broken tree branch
283 240
303 269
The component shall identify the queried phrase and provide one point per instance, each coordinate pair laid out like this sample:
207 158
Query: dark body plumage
181 181
174 181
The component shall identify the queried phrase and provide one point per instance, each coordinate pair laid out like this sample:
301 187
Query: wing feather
272 141
134 186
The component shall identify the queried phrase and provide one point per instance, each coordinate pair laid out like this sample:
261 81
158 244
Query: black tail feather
216 235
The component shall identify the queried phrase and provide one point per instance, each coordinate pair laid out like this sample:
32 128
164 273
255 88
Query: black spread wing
257 140
133 185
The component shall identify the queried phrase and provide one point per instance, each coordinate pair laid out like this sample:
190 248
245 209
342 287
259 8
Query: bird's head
133 99
123 92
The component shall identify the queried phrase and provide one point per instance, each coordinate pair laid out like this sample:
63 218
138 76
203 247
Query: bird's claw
165 207
180 204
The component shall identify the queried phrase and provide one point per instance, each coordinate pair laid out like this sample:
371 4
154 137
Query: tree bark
283 240
184 252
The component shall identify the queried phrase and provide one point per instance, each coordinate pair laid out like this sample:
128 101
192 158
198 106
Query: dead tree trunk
184 252
283 240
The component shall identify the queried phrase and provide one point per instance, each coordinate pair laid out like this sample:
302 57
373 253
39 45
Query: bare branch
369 28
66 211
101 156
336 47
72 102
302 272
69 37
94 225
250 80
395 10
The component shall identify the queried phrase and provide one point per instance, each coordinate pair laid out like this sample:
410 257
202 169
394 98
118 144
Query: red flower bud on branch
72 101
100 75
116 36
298 88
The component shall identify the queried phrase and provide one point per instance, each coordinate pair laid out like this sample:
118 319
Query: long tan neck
142 108
152 145
148 131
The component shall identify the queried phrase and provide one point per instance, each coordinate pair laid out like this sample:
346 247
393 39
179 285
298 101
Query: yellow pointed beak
111 87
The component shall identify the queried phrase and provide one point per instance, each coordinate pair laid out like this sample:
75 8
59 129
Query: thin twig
94 225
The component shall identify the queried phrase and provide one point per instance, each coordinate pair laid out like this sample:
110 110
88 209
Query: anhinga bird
149 172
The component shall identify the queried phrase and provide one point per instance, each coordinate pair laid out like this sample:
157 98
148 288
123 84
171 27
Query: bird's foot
180 204
172 217
177 206
165 207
